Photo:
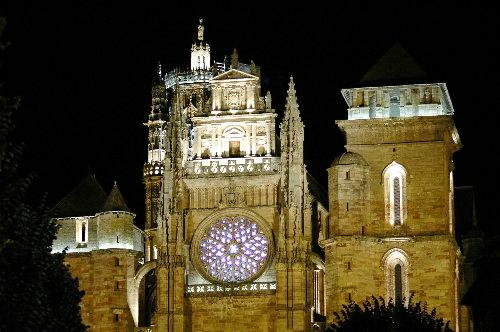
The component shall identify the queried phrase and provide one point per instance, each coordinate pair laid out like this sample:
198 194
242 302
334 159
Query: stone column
219 142
254 139
268 135
212 146
247 141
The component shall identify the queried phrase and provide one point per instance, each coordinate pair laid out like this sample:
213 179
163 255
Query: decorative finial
292 106
115 183
291 87
200 30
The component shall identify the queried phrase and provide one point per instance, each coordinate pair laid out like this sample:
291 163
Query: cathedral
239 237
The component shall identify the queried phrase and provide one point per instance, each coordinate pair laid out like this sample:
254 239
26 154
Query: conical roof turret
115 201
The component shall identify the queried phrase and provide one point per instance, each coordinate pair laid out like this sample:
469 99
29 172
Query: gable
234 74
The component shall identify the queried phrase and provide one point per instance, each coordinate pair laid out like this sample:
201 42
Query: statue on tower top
200 30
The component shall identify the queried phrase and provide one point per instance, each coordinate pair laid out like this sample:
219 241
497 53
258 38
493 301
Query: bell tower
391 227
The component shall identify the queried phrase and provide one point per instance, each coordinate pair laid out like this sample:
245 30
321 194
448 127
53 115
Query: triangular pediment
233 74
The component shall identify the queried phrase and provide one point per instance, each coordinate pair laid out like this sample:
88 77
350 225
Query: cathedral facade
238 236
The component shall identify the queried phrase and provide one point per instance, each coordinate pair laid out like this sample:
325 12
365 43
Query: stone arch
234 132
234 141
394 179
391 260
133 289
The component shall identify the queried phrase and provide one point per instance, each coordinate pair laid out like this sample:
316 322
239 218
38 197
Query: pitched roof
115 201
85 199
396 66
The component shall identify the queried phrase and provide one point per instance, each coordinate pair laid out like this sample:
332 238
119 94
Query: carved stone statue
268 100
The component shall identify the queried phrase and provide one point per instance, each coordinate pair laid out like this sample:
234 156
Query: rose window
233 249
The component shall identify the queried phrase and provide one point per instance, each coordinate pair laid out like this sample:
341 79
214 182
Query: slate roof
86 199
115 201
395 67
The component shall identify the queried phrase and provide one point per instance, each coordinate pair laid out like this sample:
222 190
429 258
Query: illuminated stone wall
423 146
102 275
356 267
361 236
231 313
255 194
102 233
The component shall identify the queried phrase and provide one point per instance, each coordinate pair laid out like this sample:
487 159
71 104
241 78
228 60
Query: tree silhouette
377 315
37 292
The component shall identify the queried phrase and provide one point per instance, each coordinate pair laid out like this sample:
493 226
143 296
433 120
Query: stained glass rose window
233 249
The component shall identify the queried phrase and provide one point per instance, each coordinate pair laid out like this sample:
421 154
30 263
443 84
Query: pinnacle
291 87
291 99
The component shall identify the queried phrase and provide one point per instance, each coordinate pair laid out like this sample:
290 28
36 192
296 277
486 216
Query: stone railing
188 76
154 168
212 290
237 166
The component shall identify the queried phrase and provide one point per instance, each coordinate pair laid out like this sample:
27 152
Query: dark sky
84 74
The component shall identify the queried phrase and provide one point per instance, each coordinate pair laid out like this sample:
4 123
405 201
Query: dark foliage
37 292
377 315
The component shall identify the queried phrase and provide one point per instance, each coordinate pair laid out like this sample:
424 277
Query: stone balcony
188 76
155 168
233 166
221 290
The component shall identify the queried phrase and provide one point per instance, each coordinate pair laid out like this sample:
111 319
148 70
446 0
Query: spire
158 92
292 106
157 75
291 89
201 29
292 129
115 201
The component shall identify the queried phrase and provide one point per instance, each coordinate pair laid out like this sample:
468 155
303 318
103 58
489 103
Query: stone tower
230 246
103 250
154 167
391 227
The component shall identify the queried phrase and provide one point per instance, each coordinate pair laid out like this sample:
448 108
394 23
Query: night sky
84 74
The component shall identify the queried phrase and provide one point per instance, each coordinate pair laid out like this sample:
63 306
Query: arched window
396 267
394 178
84 232
396 192
398 282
